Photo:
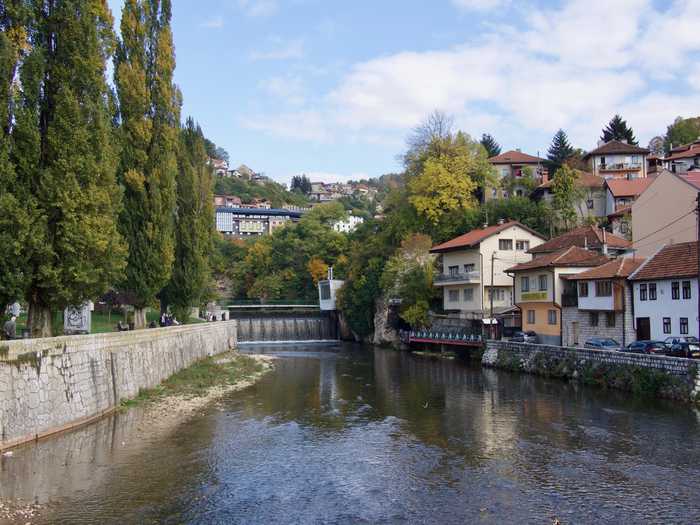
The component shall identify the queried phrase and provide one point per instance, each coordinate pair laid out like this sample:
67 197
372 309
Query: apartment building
473 278
247 222
618 160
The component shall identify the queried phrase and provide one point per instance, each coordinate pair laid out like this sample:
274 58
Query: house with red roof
542 288
665 293
664 213
589 237
473 276
515 165
599 303
592 202
618 160
620 194
683 158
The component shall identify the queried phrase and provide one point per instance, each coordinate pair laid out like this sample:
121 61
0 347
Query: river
350 435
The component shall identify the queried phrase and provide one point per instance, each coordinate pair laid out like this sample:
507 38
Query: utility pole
493 258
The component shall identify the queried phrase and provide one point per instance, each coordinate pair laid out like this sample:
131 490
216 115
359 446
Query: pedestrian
10 328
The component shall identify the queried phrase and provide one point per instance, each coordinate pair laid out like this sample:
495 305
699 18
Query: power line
664 227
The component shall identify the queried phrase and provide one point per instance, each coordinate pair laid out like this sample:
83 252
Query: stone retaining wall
50 385
579 363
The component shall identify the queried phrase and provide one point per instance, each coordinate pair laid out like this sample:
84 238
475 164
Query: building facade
599 304
515 165
542 289
665 293
247 222
592 202
473 278
683 158
348 225
618 160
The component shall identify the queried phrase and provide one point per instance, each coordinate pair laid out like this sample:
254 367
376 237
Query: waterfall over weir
281 328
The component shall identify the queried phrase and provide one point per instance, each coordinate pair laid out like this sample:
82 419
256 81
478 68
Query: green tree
301 183
194 225
489 143
566 195
559 151
149 110
617 129
682 131
64 159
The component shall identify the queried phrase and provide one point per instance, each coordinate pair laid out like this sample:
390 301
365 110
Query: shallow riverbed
350 435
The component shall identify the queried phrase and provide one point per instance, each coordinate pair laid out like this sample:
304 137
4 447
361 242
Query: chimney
485 225
605 242
501 221
518 150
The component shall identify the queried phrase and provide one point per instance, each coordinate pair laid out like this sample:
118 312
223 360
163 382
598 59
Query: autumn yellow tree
317 269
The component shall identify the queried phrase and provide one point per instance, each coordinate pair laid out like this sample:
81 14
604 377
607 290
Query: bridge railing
436 335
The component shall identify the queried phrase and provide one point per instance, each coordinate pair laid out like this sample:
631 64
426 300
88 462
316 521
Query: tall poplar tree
149 112
194 224
63 158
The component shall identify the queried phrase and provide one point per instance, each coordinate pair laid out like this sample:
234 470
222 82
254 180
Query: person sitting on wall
121 327
10 328
152 324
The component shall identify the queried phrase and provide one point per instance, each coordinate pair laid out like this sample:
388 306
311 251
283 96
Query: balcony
457 278
569 299
623 166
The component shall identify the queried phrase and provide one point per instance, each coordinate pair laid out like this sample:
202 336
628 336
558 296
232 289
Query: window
583 289
610 319
522 246
652 291
624 227
325 291
603 288
530 317
453 296
686 289
468 295
552 316
497 294
602 162
589 204
454 271
642 292
468 268
525 284
667 325
494 193
675 290
505 244
684 326
519 193
593 318
543 282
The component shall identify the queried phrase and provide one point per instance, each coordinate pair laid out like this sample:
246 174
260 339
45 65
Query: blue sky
332 88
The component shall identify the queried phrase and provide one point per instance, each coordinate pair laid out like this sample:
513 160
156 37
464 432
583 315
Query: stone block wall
569 362
49 385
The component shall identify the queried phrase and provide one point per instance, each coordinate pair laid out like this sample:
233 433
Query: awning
489 321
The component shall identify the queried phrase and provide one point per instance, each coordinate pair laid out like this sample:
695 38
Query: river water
349 435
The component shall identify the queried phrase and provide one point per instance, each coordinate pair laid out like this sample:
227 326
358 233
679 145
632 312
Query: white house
683 158
474 265
349 224
618 160
665 293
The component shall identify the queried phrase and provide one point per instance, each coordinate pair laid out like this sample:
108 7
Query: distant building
593 201
243 172
348 225
247 222
474 268
620 195
618 160
542 289
665 212
229 201
220 167
683 158
515 164
665 293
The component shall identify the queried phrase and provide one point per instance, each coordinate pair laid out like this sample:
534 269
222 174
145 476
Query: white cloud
213 23
280 49
479 5
258 8
571 67
289 88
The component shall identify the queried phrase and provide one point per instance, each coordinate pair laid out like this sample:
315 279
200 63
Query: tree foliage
559 151
489 143
682 131
300 183
566 195
149 110
617 129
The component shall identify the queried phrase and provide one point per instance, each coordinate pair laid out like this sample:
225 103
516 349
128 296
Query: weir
282 327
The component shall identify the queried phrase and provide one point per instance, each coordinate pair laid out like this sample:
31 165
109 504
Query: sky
333 88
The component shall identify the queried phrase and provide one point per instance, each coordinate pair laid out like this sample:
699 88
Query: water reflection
354 436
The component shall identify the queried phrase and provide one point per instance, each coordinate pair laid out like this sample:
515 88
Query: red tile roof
515 157
688 151
584 179
474 237
614 147
628 188
585 236
674 260
617 268
571 257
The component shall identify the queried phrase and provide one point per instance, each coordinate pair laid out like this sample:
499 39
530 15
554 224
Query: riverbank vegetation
100 188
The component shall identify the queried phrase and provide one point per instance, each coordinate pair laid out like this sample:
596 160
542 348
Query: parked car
524 337
647 347
602 343
685 346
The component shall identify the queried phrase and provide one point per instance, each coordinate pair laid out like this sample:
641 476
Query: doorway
643 329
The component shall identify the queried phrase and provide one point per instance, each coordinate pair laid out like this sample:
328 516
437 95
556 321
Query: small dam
285 327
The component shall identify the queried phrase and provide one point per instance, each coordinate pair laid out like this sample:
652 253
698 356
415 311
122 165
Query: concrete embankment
661 376
51 385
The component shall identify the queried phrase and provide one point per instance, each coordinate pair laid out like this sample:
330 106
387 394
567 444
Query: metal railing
459 276
621 166
432 335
